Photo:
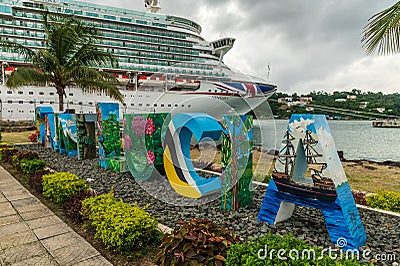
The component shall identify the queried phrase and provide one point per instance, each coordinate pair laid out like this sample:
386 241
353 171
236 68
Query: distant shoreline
385 163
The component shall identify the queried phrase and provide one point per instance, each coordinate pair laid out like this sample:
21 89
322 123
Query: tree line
340 105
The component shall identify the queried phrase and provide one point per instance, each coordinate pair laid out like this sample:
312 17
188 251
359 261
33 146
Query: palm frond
13 47
382 33
86 31
89 55
46 62
91 80
24 76
64 43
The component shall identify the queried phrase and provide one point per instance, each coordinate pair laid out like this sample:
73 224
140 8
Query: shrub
6 154
385 200
20 155
359 197
61 186
199 241
264 251
122 227
73 206
15 160
35 180
31 166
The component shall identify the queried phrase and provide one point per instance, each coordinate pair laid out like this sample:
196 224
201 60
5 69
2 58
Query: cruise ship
164 64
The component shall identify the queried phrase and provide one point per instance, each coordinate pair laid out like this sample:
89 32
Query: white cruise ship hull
21 104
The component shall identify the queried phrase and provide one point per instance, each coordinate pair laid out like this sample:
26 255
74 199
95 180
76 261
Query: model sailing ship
322 188
164 63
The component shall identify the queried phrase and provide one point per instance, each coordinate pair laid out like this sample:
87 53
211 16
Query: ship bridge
222 46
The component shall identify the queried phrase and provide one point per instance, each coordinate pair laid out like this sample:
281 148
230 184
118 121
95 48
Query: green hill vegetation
337 105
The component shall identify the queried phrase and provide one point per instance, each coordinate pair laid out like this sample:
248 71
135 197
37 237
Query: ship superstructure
163 61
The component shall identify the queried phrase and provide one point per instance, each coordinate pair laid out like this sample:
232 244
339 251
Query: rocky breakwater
383 230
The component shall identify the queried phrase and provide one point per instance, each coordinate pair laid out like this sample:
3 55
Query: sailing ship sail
297 163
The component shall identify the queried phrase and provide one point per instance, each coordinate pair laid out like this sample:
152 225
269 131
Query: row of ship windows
78 10
149 54
133 67
167 63
32 111
40 34
147 39
30 102
161 105
90 103
71 94
43 102
136 53
20 111
40 93
38 43
114 26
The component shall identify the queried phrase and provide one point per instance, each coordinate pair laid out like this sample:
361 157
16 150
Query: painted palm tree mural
69 57
382 33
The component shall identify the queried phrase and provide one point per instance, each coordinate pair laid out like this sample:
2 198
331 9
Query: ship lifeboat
151 81
123 79
9 70
187 83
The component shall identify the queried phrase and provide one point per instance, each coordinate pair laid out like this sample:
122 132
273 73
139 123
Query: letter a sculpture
308 172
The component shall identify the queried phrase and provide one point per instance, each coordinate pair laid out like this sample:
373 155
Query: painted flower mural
143 144
127 142
138 126
150 157
150 128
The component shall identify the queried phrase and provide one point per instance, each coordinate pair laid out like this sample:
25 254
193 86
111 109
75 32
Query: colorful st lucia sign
177 160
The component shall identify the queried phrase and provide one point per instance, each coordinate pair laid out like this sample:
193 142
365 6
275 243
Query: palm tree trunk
60 102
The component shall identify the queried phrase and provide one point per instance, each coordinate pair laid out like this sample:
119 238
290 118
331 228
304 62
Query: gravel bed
383 231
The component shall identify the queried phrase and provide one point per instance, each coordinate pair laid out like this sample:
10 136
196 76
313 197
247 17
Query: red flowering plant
34 137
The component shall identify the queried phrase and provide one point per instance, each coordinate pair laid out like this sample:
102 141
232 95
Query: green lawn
16 137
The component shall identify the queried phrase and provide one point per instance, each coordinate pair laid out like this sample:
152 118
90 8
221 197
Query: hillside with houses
338 105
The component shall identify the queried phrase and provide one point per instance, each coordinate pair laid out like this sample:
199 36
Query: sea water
357 139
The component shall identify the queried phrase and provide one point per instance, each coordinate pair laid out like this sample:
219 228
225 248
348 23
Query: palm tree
69 57
382 33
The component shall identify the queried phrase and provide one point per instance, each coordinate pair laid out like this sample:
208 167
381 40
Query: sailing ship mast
312 154
288 155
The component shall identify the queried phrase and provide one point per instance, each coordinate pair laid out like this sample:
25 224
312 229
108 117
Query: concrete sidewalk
31 234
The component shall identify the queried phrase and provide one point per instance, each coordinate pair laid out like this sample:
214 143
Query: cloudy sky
309 44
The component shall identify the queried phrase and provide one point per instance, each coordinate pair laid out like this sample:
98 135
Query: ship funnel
152 6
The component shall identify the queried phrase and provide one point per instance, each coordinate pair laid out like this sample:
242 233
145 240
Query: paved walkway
31 234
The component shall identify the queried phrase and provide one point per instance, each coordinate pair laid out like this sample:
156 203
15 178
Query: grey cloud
305 41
